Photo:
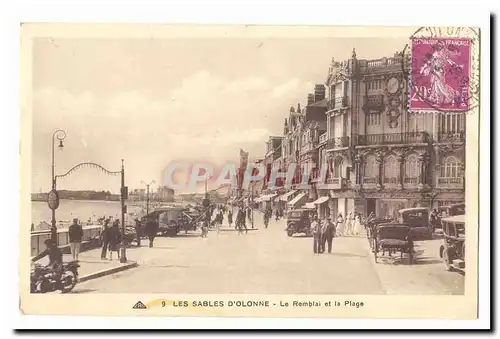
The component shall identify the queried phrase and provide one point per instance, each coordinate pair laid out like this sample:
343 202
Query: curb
108 271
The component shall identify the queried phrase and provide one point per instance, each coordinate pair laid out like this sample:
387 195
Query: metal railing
336 103
323 138
451 136
393 138
338 142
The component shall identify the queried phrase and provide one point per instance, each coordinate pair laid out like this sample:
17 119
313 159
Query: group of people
110 238
150 230
350 225
323 234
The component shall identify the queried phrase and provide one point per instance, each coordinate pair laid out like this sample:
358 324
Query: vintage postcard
230 171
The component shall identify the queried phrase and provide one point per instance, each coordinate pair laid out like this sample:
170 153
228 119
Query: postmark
442 68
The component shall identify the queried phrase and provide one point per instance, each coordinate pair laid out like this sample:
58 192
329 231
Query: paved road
267 261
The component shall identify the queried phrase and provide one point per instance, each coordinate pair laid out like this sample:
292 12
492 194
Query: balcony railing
391 181
336 103
370 180
411 181
323 138
334 183
338 142
450 182
451 136
393 138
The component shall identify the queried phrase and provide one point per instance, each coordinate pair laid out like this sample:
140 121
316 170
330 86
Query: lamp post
147 194
53 198
123 197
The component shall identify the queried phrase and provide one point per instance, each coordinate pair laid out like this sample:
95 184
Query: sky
155 101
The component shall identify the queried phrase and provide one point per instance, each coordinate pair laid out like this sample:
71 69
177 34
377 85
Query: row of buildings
380 157
162 193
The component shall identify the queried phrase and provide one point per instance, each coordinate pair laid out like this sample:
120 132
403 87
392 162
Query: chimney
319 93
310 99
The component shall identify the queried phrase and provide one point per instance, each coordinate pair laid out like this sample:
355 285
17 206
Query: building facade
380 157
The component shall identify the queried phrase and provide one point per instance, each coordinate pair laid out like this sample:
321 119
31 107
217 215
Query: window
451 123
371 167
452 168
391 170
415 122
412 169
374 119
337 169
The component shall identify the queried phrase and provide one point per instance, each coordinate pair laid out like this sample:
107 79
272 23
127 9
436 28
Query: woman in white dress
357 225
339 227
348 224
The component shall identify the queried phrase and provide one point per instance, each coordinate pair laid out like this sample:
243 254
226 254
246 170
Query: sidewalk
92 266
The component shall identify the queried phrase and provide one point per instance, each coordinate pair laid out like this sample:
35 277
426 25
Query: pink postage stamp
440 74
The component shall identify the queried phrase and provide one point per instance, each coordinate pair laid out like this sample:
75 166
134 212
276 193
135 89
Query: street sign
53 200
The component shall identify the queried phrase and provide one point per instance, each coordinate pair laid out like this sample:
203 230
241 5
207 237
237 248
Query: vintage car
393 237
418 219
449 210
173 219
298 221
370 227
453 249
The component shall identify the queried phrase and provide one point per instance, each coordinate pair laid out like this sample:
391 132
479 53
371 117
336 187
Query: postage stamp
440 72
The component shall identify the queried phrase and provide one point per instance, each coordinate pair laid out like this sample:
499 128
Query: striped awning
320 200
268 197
287 195
295 200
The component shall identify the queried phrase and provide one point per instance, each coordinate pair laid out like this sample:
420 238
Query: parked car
453 249
173 219
298 221
418 219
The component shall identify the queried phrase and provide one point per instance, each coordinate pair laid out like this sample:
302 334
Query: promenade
267 261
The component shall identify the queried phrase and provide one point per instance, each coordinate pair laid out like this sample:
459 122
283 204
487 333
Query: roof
321 103
321 200
414 209
455 218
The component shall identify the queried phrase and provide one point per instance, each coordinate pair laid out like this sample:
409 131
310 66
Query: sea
81 209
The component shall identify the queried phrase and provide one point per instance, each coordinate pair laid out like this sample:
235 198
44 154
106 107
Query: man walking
138 231
75 233
105 238
151 230
327 231
316 232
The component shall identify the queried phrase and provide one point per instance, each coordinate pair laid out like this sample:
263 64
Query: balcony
393 138
323 138
338 143
457 182
411 181
451 136
336 103
370 181
333 184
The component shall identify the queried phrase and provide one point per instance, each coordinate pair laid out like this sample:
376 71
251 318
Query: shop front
297 201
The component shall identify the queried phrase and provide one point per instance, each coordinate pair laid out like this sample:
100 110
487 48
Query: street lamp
147 194
53 198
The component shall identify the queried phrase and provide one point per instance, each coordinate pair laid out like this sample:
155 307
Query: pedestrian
327 234
32 227
151 230
105 238
316 232
138 231
349 220
356 229
75 233
341 226
277 213
230 218
114 239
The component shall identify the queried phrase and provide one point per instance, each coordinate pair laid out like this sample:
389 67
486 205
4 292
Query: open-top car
418 219
453 249
298 221
392 237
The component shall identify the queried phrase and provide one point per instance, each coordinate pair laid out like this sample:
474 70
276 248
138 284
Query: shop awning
310 206
296 199
320 200
259 199
268 197
287 195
